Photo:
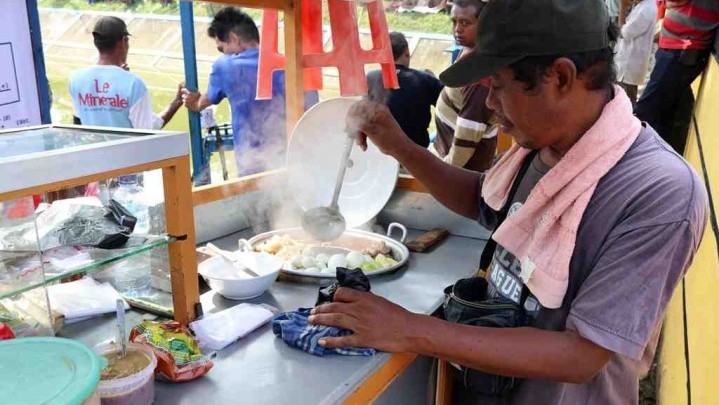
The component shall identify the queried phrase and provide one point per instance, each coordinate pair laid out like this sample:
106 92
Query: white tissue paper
216 331
83 298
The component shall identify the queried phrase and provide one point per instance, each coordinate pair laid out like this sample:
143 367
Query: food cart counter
262 369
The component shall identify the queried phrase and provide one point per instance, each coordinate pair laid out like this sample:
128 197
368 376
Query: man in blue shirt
107 94
257 125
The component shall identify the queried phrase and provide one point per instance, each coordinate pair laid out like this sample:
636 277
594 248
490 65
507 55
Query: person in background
107 94
257 125
687 36
635 46
466 130
618 11
411 104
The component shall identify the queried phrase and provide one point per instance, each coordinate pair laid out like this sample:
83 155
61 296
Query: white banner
19 101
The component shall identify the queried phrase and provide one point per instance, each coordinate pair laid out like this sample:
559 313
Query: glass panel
48 139
24 273
20 261
26 314
72 224
142 279
29 314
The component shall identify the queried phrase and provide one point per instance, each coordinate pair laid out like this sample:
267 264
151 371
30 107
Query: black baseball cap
509 30
109 28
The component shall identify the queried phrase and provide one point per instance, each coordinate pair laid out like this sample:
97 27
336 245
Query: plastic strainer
313 157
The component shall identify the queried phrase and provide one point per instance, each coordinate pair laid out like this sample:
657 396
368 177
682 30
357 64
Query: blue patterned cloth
292 327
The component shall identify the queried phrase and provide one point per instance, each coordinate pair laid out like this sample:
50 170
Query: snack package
178 355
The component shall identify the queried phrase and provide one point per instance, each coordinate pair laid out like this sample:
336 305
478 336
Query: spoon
327 223
227 256
121 327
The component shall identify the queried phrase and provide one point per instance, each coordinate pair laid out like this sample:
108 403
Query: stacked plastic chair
346 55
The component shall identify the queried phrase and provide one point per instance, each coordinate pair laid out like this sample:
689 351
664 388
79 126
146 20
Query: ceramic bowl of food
231 281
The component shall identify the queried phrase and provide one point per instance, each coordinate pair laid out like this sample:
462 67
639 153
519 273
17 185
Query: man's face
464 25
530 117
231 46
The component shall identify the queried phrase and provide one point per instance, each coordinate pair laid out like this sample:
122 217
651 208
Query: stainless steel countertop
262 369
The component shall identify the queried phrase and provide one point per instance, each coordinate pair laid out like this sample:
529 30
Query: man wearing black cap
595 221
107 94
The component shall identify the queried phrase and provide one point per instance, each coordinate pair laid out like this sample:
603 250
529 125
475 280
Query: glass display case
108 207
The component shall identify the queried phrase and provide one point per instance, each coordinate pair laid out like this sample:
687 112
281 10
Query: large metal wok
351 239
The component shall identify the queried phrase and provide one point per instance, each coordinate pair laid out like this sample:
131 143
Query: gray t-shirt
636 240
504 272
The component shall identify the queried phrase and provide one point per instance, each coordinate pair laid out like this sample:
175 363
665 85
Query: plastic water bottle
131 195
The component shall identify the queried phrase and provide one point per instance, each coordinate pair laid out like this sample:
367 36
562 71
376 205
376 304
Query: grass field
437 23
162 86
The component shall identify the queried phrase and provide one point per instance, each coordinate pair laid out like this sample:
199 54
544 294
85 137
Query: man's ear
233 38
563 74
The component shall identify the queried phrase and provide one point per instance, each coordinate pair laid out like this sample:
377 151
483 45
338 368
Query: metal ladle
327 223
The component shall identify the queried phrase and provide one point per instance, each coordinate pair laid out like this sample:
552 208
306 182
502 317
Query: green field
438 23
161 90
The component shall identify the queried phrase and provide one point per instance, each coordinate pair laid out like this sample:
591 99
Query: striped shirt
692 25
465 127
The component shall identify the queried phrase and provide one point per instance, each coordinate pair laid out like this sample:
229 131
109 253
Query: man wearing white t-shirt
107 94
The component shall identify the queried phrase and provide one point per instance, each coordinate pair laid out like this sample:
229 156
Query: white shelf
31 157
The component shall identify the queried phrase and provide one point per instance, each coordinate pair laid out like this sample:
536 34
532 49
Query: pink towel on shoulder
542 233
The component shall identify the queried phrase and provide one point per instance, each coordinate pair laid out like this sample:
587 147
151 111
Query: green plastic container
48 370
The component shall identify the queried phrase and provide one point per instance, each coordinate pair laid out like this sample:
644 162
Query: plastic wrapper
178 354
216 331
68 225
83 298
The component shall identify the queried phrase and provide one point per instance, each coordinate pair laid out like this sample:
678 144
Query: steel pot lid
313 159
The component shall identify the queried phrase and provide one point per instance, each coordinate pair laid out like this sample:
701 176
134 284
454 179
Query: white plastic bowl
235 284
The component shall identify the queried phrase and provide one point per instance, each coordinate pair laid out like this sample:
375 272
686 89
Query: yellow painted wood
672 374
702 281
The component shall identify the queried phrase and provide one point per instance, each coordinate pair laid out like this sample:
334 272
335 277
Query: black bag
466 303
105 228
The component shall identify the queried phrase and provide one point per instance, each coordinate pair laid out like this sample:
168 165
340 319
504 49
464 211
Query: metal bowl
399 250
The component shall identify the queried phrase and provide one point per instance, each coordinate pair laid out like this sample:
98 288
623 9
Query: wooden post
443 395
377 383
294 75
181 223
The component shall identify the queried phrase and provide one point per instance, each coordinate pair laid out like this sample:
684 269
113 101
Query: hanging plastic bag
72 225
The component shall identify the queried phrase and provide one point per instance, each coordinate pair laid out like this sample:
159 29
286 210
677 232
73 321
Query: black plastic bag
106 228
354 278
